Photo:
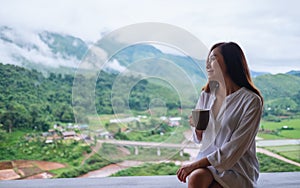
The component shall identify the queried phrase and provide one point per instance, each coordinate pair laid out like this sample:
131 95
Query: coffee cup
200 118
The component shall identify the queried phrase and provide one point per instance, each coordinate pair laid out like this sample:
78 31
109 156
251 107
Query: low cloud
27 46
266 29
115 65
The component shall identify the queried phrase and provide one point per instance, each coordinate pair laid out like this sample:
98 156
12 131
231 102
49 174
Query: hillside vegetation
278 86
281 93
29 100
32 101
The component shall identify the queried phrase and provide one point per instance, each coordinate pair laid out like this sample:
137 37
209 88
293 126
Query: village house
125 120
174 121
69 135
104 134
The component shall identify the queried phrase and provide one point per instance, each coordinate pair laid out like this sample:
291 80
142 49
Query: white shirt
229 141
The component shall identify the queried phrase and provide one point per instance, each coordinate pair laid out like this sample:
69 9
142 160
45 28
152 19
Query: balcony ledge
273 180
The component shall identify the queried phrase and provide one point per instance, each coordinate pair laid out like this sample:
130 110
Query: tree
15 116
41 124
64 113
297 100
8 125
2 137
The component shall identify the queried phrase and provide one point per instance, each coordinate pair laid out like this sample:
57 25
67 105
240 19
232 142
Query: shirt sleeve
242 137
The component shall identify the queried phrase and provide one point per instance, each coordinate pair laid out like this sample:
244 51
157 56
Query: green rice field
274 130
291 152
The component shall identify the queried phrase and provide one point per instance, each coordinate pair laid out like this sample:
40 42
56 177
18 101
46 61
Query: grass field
278 133
289 151
174 135
274 128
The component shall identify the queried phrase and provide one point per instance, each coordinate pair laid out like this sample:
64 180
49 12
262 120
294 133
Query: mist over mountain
33 49
48 51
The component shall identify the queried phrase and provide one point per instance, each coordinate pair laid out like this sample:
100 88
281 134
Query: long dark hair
237 67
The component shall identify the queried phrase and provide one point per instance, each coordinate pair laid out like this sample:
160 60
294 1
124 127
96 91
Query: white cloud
115 65
266 29
28 46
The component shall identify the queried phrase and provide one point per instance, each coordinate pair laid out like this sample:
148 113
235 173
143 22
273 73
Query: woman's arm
185 170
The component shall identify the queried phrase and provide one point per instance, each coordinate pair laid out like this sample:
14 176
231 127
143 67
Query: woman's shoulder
250 96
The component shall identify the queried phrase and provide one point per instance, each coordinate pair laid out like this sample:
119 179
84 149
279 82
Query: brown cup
200 118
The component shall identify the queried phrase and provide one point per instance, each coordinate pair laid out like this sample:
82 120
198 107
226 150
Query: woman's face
215 66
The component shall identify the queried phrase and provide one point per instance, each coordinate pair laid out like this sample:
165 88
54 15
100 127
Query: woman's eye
212 59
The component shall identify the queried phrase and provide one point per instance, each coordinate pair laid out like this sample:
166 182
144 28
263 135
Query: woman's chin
211 79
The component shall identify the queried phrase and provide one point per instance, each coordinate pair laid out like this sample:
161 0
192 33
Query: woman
227 157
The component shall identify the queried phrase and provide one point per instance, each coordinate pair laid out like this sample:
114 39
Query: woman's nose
208 65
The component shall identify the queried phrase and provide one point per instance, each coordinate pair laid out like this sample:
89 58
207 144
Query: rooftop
266 180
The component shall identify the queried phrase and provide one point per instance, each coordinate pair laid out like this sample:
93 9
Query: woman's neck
226 88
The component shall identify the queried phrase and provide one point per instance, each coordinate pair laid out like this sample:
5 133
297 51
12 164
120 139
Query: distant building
102 133
124 120
106 135
84 137
51 137
69 134
174 121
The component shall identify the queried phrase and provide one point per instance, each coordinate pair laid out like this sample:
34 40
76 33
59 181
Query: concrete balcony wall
266 180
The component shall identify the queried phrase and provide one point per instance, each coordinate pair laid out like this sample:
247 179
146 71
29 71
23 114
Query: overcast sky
268 31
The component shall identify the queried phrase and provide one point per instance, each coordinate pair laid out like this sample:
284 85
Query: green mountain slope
29 100
65 45
278 86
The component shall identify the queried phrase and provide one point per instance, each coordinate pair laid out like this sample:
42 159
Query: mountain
139 55
40 49
48 51
294 72
65 45
278 85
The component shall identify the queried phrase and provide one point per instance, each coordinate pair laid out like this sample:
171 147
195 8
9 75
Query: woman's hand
199 134
191 121
184 171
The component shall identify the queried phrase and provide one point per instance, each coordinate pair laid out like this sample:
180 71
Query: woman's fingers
199 134
179 174
191 122
182 174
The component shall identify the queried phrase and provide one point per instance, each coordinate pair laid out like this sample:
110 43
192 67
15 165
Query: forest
31 100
